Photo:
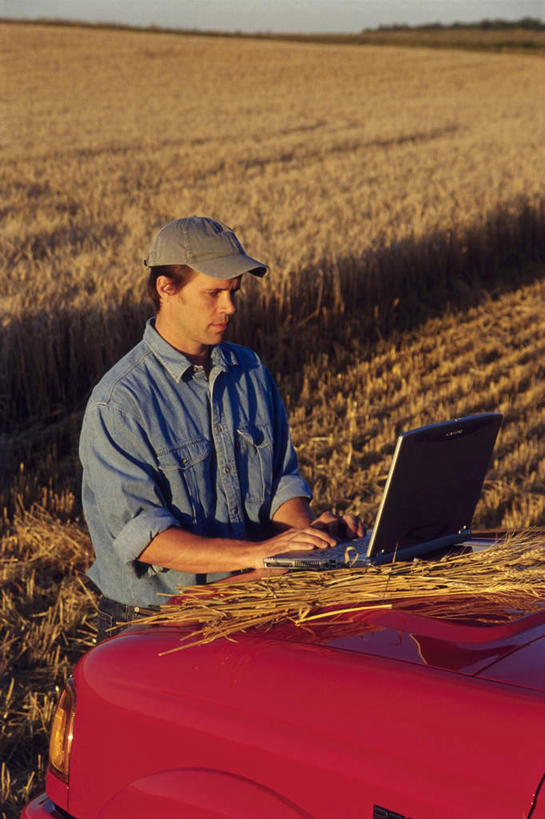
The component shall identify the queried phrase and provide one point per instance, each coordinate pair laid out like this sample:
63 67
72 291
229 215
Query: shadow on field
50 361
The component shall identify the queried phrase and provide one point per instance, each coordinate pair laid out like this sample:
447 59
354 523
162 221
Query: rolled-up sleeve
123 497
287 482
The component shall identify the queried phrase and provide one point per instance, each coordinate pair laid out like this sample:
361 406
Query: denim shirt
162 445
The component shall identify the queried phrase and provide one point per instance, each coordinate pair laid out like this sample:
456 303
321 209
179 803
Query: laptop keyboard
359 544
332 557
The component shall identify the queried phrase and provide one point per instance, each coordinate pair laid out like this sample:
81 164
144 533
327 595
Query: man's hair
179 275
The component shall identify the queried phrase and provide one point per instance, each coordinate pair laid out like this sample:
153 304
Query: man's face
196 317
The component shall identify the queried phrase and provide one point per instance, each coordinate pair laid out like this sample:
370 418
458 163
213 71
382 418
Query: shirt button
235 510
219 428
227 469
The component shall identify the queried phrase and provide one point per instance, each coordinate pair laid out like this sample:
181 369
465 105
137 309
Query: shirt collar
223 356
176 363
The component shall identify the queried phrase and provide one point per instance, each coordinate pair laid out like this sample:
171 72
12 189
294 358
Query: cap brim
227 267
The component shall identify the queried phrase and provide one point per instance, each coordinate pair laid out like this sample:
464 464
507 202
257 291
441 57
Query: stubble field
397 194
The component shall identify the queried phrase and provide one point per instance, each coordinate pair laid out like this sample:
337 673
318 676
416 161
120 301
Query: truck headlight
60 742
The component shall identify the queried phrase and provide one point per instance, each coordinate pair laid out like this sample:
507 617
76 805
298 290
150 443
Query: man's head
201 244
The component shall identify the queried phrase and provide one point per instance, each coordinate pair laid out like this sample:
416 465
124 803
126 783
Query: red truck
391 715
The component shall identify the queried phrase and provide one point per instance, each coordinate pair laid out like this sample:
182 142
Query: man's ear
165 287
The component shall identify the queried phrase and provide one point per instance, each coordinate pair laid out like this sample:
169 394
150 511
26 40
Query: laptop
428 503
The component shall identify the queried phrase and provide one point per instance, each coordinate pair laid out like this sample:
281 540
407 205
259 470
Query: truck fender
199 793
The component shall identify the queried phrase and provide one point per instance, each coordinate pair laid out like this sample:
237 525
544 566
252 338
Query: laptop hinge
421 548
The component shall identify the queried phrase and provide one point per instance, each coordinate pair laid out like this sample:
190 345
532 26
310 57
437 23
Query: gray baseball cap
206 245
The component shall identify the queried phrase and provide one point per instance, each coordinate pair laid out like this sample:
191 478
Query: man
189 474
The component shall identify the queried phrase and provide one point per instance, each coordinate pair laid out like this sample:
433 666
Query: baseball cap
204 244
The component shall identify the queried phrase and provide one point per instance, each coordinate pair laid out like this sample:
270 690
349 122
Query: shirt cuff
138 533
289 486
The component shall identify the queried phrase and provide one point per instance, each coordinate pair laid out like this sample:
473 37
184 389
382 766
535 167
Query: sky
273 15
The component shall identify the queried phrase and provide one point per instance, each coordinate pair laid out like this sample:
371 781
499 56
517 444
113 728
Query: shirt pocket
187 470
254 449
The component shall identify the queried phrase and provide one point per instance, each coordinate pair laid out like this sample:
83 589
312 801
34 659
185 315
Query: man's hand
297 540
342 527
297 514
323 532
291 540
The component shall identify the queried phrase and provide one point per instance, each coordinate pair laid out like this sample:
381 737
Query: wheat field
397 194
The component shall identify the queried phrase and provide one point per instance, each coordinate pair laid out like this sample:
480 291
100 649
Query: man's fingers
328 522
325 531
344 526
310 538
354 525
298 540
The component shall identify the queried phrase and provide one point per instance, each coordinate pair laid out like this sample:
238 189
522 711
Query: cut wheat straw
492 585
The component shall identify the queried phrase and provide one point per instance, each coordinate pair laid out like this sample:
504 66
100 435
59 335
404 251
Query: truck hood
465 648
524 667
512 652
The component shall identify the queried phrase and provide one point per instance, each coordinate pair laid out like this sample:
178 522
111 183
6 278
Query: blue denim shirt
162 445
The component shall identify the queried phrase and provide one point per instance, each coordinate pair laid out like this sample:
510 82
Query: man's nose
228 304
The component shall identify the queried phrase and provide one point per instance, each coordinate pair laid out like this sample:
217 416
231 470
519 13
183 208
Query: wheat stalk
495 584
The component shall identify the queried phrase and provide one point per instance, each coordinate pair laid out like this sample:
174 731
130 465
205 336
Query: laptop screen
434 483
